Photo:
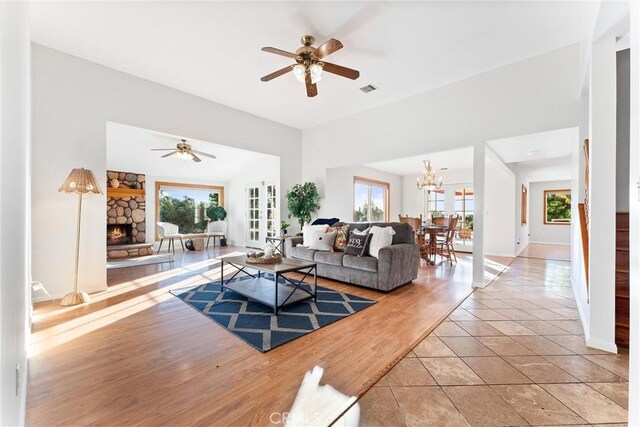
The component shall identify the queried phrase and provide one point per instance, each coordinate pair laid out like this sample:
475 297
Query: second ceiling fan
309 65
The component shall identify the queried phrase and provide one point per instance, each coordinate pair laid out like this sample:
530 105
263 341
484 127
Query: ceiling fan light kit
183 151
309 66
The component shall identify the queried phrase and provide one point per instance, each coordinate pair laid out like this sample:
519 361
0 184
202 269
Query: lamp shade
80 180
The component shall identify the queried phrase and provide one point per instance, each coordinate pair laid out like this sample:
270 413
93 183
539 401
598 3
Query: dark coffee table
276 291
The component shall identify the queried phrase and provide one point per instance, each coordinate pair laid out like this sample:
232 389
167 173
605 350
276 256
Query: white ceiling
128 150
536 146
212 49
460 159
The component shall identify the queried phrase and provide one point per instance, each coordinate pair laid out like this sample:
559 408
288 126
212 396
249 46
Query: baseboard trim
550 243
53 297
522 248
611 347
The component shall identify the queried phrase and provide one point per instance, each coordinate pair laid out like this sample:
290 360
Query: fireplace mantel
124 192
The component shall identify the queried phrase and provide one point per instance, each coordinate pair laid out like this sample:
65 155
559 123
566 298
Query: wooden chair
444 247
169 231
416 224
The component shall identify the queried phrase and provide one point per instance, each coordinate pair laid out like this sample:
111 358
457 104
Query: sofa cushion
321 241
404 232
358 244
302 252
333 258
365 263
381 238
342 234
325 221
308 230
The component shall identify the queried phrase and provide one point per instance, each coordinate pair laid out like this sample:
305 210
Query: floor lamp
79 181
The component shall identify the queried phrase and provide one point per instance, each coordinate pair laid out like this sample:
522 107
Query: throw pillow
325 221
342 234
357 244
321 241
308 230
381 238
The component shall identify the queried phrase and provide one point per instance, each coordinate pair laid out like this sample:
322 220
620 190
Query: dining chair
444 247
169 231
416 224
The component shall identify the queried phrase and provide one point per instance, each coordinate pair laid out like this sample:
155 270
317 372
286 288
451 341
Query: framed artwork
557 207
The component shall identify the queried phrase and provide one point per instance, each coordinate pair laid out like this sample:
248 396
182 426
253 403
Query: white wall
499 208
602 197
622 130
338 195
266 170
534 95
73 100
15 209
539 232
634 220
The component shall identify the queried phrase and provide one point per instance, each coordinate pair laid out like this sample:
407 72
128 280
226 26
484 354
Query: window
435 203
189 206
557 207
272 200
464 209
370 200
523 206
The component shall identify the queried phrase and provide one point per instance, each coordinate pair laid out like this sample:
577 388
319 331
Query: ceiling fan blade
211 156
171 154
195 158
312 89
278 73
328 48
161 149
341 71
279 52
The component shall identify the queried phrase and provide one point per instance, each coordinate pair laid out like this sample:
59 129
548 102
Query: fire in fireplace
119 234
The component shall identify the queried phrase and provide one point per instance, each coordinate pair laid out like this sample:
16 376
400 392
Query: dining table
433 230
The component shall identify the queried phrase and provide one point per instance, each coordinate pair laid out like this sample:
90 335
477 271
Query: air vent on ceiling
368 88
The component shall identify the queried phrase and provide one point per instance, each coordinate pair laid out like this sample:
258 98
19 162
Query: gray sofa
396 265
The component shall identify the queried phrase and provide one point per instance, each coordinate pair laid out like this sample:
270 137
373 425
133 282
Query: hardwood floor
137 355
544 251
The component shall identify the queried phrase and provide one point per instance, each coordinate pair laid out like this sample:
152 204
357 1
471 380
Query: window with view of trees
188 206
557 206
435 203
370 200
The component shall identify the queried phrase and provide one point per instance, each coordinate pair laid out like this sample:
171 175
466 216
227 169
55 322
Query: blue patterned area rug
256 324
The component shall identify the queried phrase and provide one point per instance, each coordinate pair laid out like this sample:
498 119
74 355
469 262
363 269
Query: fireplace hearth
120 234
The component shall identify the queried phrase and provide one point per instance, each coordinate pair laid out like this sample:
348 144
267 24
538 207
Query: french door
262 213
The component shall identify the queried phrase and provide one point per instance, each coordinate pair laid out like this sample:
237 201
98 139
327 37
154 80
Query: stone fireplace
126 215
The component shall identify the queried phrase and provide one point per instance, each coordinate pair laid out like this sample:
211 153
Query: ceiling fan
184 152
309 65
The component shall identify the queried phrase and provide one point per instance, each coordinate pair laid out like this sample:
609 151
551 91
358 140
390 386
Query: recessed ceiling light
532 152
368 88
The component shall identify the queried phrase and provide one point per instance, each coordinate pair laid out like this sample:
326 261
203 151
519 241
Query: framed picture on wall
557 207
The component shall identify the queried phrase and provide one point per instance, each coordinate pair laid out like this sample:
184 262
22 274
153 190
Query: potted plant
284 226
302 201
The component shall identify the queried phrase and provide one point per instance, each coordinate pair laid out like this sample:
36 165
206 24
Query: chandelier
429 180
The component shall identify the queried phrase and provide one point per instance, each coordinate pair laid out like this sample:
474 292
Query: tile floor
512 354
